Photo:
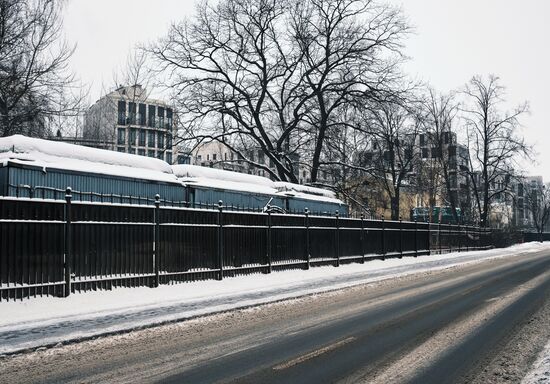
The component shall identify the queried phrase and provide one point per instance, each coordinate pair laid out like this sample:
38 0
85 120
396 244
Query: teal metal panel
238 199
87 182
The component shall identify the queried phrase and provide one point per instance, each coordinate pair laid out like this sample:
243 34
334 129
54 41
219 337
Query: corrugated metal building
44 169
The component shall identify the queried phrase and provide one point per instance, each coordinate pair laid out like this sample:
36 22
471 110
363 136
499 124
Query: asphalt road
482 322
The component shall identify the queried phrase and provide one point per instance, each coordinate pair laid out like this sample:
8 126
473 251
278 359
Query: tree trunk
395 206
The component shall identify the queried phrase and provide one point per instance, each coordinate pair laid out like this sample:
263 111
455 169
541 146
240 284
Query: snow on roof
283 186
307 196
186 170
20 149
228 185
228 180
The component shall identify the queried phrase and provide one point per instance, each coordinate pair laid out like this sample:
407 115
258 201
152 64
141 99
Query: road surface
475 323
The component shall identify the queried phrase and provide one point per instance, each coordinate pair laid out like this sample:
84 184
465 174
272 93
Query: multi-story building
215 154
456 157
525 191
127 120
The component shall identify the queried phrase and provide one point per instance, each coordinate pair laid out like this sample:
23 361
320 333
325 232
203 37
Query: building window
121 149
121 112
141 151
132 151
132 138
183 159
121 136
199 159
151 153
142 138
168 141
422 140
160 155
207 157
132 113
169 157
160 140
151 139
151 119
142 117
169 119
214 157
160 111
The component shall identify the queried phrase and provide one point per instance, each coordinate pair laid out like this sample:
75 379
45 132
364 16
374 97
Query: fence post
337 214
400 238
362 239
268 250
467 239
156 241
383 240
415 239
439 235
220 240
67 245
459 238
308 244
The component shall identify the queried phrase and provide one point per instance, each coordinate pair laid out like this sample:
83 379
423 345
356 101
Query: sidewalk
47 321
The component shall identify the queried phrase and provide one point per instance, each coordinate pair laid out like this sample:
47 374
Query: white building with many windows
127 120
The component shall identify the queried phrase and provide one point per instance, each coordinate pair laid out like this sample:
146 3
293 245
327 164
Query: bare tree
440 112
493 140
35 84
342 168
393 130
235 76
271 74
538 203
351 52
130 81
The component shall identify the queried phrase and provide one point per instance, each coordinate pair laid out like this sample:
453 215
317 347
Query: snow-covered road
46 321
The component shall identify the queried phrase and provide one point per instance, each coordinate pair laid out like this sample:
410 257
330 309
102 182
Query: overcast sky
453 40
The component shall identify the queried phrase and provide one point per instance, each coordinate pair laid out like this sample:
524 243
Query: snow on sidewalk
540 372
46 321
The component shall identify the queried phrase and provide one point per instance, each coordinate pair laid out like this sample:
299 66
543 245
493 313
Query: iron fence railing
57 247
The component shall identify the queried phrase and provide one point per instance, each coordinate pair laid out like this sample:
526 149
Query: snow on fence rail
50 247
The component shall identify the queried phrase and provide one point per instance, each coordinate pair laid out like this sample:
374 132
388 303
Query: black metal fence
50 247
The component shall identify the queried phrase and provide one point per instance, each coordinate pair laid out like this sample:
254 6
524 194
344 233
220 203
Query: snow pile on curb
540 372
45 321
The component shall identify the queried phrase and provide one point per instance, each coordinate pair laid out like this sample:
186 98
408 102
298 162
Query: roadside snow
45 321
540 371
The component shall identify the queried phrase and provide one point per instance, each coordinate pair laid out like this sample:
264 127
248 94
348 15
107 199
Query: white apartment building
127 120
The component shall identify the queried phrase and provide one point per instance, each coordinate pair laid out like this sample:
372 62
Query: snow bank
43 321
51 154
540 371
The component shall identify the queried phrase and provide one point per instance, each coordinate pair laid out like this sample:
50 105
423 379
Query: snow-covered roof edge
47 151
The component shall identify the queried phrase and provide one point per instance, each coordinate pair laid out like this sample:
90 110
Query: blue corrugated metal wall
314 206
89 182
3 181
242 200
